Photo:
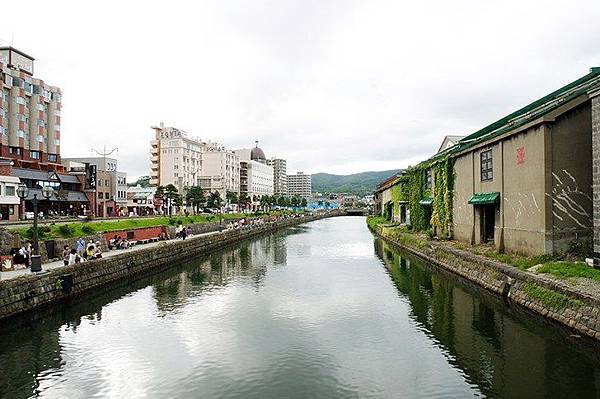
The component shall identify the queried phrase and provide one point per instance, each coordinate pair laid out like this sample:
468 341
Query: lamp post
23 193
220 218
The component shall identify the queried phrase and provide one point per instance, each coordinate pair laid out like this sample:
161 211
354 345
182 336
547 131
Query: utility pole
105 153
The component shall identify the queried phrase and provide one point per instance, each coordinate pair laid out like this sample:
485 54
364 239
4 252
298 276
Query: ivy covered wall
411 187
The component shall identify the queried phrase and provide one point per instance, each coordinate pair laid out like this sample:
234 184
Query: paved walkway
108 254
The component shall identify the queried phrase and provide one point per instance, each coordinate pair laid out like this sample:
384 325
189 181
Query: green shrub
172 221
581 249
65 230
87 229
430 233
42 232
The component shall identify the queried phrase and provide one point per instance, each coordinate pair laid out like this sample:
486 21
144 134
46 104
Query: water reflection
31 345
307 312
502 350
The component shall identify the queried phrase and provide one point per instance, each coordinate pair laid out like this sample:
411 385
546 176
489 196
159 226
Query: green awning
426 201
485 199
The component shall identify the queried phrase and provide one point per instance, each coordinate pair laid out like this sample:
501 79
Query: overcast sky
332 86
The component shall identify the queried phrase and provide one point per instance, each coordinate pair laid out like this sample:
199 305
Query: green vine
411 187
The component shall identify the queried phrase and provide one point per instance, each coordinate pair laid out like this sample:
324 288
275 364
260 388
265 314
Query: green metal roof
534 110
485 198
426 201
528 113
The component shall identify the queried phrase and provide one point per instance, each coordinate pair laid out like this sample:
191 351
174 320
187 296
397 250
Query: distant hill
358 183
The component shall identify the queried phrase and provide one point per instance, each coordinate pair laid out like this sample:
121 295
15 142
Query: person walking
65 254
74 257
80 246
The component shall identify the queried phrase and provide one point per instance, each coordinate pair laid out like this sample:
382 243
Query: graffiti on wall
569 201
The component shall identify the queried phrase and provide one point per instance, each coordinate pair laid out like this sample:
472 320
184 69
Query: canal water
321 310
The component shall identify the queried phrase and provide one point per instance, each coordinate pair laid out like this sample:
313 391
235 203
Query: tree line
197 199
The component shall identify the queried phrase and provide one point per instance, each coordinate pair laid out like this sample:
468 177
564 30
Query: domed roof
256 154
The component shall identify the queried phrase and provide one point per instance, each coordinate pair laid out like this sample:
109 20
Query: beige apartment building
29 114
299 184
220 170
279 175
175 158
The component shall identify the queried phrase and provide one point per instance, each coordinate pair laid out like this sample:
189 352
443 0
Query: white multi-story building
299 184
220 170
279 175
175 158
256 177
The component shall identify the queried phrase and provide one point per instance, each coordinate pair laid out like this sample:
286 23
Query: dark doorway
4 211
427 215
402 214
389 209
488 223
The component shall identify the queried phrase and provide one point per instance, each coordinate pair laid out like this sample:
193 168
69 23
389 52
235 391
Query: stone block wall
596 169
578 310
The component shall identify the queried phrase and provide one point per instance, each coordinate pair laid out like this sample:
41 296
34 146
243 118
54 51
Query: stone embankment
555 300
32 291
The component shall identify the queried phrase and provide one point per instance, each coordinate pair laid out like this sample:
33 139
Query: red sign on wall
520 155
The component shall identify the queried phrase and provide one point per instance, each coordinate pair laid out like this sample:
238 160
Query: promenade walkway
59 263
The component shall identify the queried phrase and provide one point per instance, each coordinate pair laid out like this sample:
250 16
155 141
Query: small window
428 179
15 150
34 154
101 195
486 165
9 191
17 82
52 158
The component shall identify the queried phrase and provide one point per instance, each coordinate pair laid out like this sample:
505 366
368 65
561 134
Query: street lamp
23 193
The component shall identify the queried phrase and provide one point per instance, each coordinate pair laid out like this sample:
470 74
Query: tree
243 200
160 192
281 201
303 202
295 201
265 201
195 197
232 197
171 196
142 181
214 200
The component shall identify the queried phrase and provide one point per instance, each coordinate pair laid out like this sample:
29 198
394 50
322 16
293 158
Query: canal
320 310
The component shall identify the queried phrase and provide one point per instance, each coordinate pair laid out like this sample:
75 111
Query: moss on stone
550 299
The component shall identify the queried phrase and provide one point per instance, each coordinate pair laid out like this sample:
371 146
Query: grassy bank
564 266
77 229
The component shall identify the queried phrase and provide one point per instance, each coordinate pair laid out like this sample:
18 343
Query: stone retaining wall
550 298
29 292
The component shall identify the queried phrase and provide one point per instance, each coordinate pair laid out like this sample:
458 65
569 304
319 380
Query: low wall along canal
35 290
554 300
